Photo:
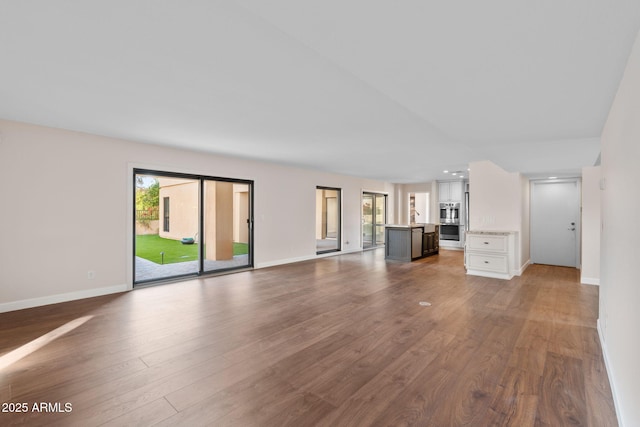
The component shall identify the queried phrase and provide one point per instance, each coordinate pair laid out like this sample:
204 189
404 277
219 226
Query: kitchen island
410 242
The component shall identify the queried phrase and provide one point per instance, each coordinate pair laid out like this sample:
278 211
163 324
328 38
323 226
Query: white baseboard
491 274
590 281
71 296
523 268
54 299
303 258
609 369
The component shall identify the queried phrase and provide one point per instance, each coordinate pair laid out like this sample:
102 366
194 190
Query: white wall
499 200
56 185
590 259
619 280
495 198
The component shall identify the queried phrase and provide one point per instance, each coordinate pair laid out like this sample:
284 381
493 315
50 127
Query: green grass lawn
150 246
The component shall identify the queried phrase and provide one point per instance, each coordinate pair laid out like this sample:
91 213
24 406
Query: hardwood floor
339 341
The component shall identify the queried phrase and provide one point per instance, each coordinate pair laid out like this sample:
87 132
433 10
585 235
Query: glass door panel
166 227
374 218
381 217
225 225
367 220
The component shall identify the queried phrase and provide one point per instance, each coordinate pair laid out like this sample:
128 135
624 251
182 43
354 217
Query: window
165 215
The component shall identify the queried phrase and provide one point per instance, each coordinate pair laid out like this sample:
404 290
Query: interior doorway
555 222
328 214
418 208
374 218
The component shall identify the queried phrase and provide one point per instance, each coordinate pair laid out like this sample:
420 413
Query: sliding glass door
374 217
189 225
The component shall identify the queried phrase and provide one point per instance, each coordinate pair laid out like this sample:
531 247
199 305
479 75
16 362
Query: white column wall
590 259
619 282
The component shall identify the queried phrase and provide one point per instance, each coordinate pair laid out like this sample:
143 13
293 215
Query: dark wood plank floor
340 341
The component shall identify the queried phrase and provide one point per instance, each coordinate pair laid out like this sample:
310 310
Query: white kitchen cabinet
491 254
450 191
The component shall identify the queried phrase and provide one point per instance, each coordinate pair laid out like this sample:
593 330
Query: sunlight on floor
30 347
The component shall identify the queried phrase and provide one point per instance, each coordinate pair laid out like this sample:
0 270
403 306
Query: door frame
578 244
386 217
201 178
338 198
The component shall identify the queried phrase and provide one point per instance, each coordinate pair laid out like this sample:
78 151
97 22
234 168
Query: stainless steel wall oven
450 213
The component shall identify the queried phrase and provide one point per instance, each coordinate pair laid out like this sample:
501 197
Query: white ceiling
396 91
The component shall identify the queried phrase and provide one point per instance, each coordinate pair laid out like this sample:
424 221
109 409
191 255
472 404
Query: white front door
555 222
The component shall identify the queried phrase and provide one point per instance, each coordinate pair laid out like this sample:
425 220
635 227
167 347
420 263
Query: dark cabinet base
407 243
430 243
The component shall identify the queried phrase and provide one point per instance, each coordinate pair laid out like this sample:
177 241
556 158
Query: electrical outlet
91 274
